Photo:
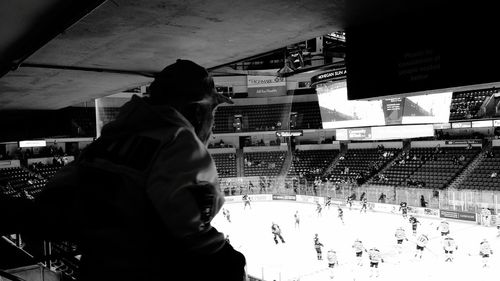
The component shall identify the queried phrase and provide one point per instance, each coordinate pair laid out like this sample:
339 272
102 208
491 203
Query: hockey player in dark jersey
403 207
341 214
277 233
317 247
318 209
328 202
297 219
246 199
363 205
226 214
414 222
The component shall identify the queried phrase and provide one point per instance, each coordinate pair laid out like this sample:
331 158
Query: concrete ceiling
57 53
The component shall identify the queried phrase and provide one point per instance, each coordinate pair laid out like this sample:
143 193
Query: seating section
403 166
441 166
13 180
226 164
311 163
265 117
308 115
267 163
45 170
466 105
357 165
486 176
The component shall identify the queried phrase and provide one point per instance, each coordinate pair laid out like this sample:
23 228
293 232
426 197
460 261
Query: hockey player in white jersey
422 241
400 236
247 200
375 258
331 256
485 251
444 228
449 246
358 250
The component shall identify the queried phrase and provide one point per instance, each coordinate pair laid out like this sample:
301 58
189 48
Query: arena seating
267 163
45 170
308 115
226 164
402 167
311 163
441 167
265 117
13 180
359 164
465 105
483 177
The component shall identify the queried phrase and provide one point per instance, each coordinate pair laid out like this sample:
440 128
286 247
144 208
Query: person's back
138 202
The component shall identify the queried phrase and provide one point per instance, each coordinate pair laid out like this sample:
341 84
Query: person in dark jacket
139 200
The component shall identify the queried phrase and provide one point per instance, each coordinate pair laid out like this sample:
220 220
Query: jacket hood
137 115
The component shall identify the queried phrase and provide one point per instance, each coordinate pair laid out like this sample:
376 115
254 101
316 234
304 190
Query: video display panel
339 112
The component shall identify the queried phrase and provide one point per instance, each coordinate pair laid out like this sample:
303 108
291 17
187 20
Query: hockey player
297 219
318 209
226 214
358 250
246 199
422 241
403 207
275 228
485 251
331 256
341 214
317 247
363 205
400 236
444 228
328 202
375 258
414 222
449 246
349 202
485 217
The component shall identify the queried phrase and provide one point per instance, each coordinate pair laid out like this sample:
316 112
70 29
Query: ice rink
250 233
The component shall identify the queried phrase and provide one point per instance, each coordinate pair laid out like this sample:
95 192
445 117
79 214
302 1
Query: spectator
140 199
493 175
382 197
423 203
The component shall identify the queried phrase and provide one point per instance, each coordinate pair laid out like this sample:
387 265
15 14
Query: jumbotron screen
339 112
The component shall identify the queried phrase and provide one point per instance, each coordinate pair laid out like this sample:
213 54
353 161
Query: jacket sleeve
184 190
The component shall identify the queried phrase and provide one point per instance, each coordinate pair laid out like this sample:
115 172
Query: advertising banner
457 215
261 197
284 197
230 199
310 199
266 86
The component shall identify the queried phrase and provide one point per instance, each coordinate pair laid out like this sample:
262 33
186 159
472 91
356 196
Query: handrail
10 276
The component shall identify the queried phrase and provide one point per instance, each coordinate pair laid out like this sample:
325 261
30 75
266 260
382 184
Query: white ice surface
250 233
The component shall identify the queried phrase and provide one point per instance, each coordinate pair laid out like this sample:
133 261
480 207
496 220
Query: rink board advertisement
310 199
256 197
457 215
284 197
260 197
